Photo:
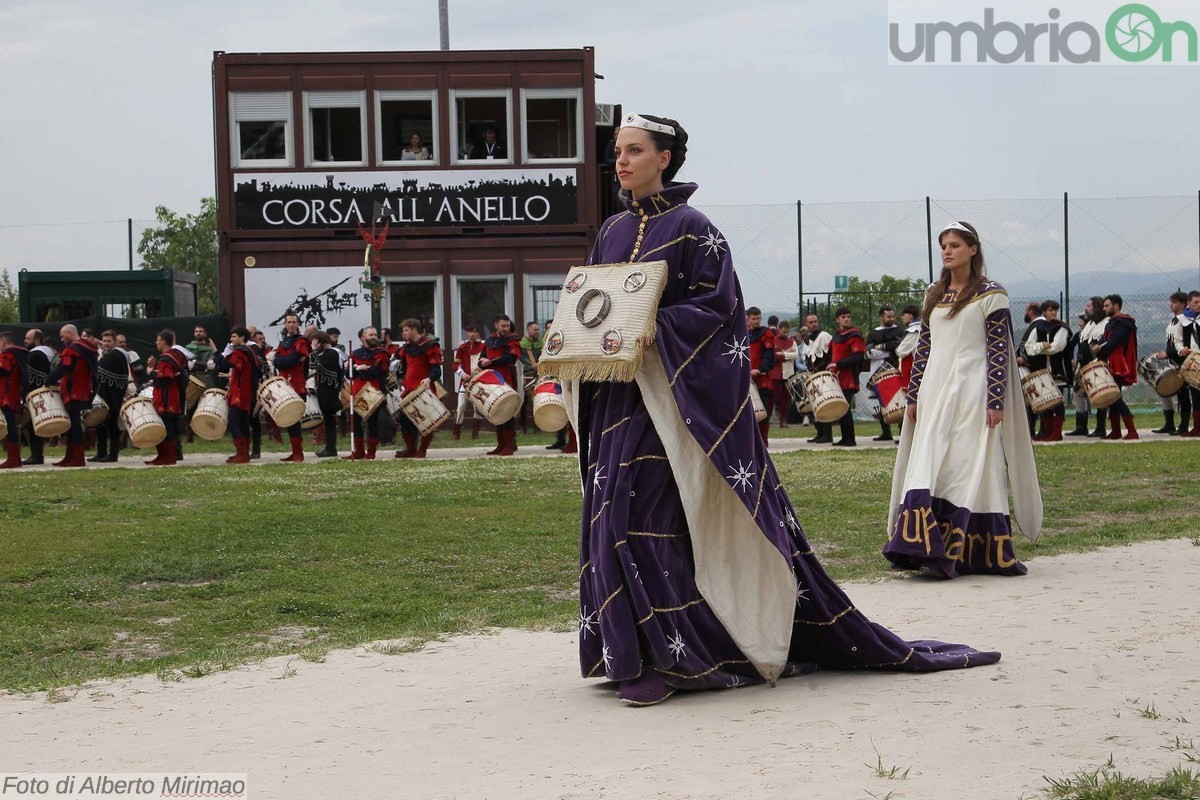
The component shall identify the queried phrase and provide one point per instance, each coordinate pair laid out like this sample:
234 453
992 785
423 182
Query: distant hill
1084 284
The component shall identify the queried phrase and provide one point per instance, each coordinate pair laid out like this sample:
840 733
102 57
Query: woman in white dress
949 512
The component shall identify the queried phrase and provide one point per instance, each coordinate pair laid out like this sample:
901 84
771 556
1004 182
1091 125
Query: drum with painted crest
212 414
423 409
145 427
799 393
825 393
888 387
492 397
1163 376
96 414
1190 369
312 409
280 400
48 412
1097 381
549 410
1041 393
367 400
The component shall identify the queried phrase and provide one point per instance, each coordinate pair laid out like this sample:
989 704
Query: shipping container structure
132 294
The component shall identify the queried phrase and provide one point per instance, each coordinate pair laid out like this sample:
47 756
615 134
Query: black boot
1081 423
102 450
37 447
1168 422
1101 418
846 423
824 433
330 449
886 436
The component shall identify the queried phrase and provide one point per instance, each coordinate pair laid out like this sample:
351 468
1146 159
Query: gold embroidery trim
598 513
708 671
641 458
654 611
669 244
729 427
600 613
761 481
655 535
583 569
593 670
824 624
695 352
615 425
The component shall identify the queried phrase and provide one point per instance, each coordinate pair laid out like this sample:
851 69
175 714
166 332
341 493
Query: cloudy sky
109 108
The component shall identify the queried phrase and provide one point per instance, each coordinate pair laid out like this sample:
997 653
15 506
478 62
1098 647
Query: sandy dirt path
1089 642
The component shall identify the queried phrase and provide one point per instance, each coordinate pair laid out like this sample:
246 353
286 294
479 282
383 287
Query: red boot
1054 432
1130 428
74 458
764 430
572 442
1115 433
359 453
499 443
1194 433
372 446
425 442
169 454
242 456
508 444
158 459
410 447
297 449
13 450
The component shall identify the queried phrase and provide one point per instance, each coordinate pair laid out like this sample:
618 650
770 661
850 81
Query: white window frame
350 99
385 303
456 145
383 95
235 144
540 281
552 94
456 315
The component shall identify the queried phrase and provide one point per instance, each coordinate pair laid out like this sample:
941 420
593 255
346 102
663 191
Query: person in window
415 150
490 148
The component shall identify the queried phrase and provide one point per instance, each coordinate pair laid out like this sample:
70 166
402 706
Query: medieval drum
424 409
212 415
1041 394
549 410
1191 369
1097 380
47 412
195 388
280 400
96 414
367 400
799 393
1161 374
145 427
756 402
492 397
889 389
312 409
825 393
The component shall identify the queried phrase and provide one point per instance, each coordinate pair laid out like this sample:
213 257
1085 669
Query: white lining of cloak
1018 454
746 581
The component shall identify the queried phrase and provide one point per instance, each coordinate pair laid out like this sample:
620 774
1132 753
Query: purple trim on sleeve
998 324
920 359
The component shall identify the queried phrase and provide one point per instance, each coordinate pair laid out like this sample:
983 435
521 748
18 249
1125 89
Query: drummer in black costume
329 379
1174 332
1185 341
1046 348
112 378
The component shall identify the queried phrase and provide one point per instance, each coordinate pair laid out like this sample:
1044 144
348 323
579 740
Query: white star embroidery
586 622
743 475
676 645
606 657
801 593
599 476
735 682
790 519
713 243
738 349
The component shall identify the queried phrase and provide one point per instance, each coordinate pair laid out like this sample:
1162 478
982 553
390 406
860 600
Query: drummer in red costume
420 359
14 382
463 356
368 365
76 377
1119 349
762 359
847 351
501 351
170 382
244 369
291 362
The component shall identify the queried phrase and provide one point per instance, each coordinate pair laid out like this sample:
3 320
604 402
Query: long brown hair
974 280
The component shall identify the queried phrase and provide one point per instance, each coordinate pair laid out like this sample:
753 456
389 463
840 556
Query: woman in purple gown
694 571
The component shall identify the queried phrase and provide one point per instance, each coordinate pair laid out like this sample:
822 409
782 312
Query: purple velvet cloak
692 561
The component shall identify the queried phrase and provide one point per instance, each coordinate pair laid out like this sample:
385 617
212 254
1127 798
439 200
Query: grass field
187 570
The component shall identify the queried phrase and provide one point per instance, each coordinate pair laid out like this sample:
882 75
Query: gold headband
638 121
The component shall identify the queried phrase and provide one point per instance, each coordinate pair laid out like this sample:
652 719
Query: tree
865 297
10 309
187 243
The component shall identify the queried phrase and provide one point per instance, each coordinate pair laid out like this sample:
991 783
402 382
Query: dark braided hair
677 144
